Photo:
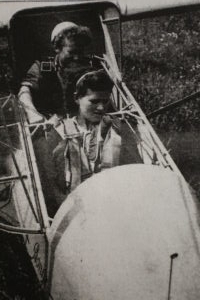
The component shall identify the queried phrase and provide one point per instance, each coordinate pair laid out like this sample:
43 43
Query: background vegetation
161 64
5 70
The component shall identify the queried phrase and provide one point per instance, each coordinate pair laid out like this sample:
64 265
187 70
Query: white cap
59 28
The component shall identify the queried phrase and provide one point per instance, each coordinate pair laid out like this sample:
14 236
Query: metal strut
16 164
27 147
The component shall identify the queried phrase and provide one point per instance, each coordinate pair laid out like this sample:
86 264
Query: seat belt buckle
46 66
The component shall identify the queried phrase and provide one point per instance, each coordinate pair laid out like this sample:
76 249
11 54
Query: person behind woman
48 86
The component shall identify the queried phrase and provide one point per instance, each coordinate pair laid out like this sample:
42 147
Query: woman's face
69 52
93 105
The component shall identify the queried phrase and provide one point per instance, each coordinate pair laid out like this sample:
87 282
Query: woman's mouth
98 113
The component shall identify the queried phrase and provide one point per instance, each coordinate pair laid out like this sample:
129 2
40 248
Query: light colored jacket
81 153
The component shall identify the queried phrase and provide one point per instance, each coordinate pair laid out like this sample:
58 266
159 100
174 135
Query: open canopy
31 23
127 8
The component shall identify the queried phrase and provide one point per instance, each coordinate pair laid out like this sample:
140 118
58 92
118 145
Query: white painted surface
126 7
113 237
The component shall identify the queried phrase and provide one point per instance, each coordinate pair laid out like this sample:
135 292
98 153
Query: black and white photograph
100 150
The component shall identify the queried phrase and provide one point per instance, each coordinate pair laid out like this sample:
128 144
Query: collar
57 63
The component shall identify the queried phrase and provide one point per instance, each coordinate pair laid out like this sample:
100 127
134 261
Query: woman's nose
100 106
68 51
75 56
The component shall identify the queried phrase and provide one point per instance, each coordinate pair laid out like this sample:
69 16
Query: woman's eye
94 101
104 102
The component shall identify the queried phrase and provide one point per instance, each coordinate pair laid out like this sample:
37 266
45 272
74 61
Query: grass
161 64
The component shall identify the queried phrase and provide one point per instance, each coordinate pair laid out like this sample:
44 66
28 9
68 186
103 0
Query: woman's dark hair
80 35
95 81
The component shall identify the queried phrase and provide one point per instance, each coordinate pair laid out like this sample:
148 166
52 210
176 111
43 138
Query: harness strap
47 65
73 163
71 151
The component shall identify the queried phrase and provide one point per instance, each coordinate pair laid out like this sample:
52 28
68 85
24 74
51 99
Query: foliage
5 69
162 64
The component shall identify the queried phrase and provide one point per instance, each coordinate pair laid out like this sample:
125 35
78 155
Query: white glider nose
127 233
